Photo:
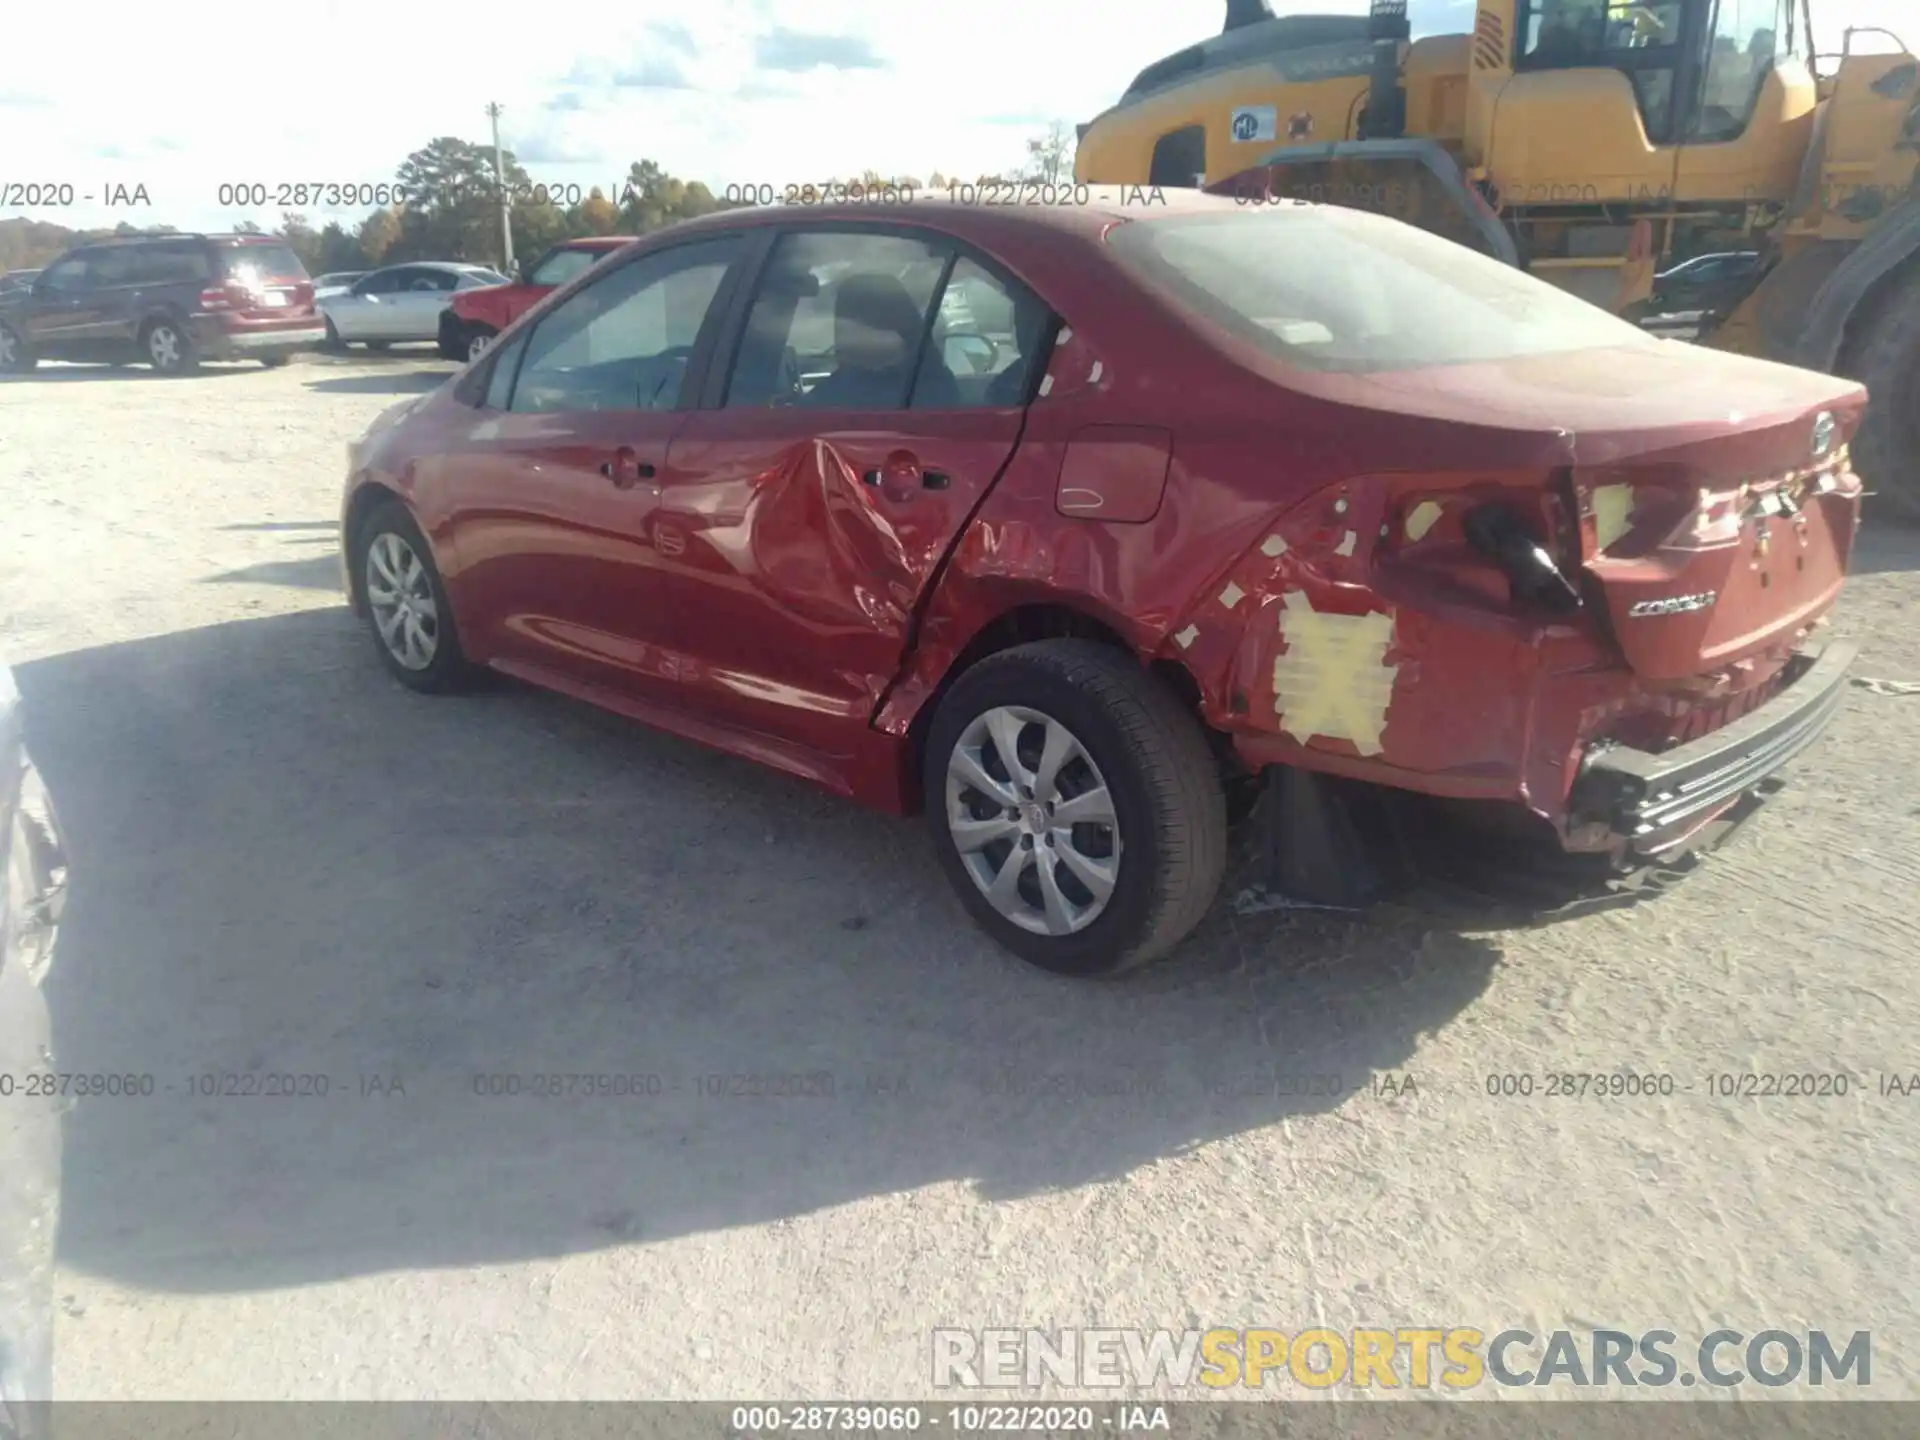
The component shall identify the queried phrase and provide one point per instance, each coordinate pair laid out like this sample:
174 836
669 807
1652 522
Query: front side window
837 322
67 276
1334 289
625 341
432 280
1749 38
1639 37
506 362
563 265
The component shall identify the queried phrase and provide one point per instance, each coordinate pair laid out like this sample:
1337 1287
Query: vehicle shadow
390 382
292 875
318 572
79 374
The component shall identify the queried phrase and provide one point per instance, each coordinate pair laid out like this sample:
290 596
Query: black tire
19 358
274 362
379 344
481 335
1168 803
452 342
449 669
177 356
1886 449
332 341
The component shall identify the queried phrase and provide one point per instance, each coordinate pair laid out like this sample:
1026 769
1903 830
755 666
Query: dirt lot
287 865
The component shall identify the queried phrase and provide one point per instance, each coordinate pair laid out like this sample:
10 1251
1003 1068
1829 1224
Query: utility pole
500 188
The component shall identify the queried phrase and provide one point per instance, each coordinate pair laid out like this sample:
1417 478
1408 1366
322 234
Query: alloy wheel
1033 820
400 595
163 345
476 347
9 350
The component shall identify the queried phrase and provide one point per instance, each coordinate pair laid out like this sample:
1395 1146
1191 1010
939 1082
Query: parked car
1296 514
469 324
16 280
169 300
1706 282
399 303
335 281
33 878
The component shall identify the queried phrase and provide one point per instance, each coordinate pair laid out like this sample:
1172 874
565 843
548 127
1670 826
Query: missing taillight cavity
1502 534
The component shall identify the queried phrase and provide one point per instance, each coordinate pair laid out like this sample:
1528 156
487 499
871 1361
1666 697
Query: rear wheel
1886 450
273 362
167 347
1076 807
15 357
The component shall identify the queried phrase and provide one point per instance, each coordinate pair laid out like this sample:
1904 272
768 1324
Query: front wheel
478 339
273 362
15 357
405 603
1076 807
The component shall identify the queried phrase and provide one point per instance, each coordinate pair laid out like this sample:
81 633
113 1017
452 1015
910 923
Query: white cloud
185 96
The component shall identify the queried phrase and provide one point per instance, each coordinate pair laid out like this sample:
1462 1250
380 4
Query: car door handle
929 479
626 468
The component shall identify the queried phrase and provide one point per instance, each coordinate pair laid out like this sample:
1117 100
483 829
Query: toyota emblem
1823 428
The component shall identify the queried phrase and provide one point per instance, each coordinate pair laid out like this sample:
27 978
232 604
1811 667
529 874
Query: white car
335 281
399 303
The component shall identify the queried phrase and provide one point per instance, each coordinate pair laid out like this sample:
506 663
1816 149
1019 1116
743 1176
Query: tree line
451 210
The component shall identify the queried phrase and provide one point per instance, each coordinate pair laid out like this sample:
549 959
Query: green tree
652 199
378 235
453 204
302 239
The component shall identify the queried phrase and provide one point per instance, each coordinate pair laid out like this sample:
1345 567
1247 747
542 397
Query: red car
1089 530
468 325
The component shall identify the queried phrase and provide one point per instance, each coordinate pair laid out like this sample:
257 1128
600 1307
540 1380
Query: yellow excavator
1598 144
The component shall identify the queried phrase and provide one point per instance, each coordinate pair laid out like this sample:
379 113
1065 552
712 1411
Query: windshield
1327 288
268 262
562 265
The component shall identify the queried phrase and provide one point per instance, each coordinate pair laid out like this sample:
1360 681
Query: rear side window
1327 288
168 264
264 262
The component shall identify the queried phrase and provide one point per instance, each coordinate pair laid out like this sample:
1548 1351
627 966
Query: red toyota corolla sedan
1090 530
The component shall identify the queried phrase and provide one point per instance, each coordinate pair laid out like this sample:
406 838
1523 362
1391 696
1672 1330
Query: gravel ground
284 864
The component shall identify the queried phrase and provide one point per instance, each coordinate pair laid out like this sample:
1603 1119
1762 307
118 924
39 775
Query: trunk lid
1716 504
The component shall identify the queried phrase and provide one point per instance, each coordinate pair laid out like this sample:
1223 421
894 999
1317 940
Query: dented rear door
799 543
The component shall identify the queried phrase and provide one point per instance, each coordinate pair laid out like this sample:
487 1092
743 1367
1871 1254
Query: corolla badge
1824 426
1672 605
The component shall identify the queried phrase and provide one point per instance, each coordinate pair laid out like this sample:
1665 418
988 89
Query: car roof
597 242
983 214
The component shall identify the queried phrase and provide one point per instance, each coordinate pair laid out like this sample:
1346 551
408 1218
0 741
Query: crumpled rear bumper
1339 842
1655 801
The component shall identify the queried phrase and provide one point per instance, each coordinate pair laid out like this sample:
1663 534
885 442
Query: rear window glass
1327 288
269 262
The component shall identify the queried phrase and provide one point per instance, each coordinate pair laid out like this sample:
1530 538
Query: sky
182 97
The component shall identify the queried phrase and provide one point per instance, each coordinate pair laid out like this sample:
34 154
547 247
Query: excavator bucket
1416 181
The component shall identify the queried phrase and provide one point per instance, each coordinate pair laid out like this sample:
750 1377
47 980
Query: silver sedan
399 302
